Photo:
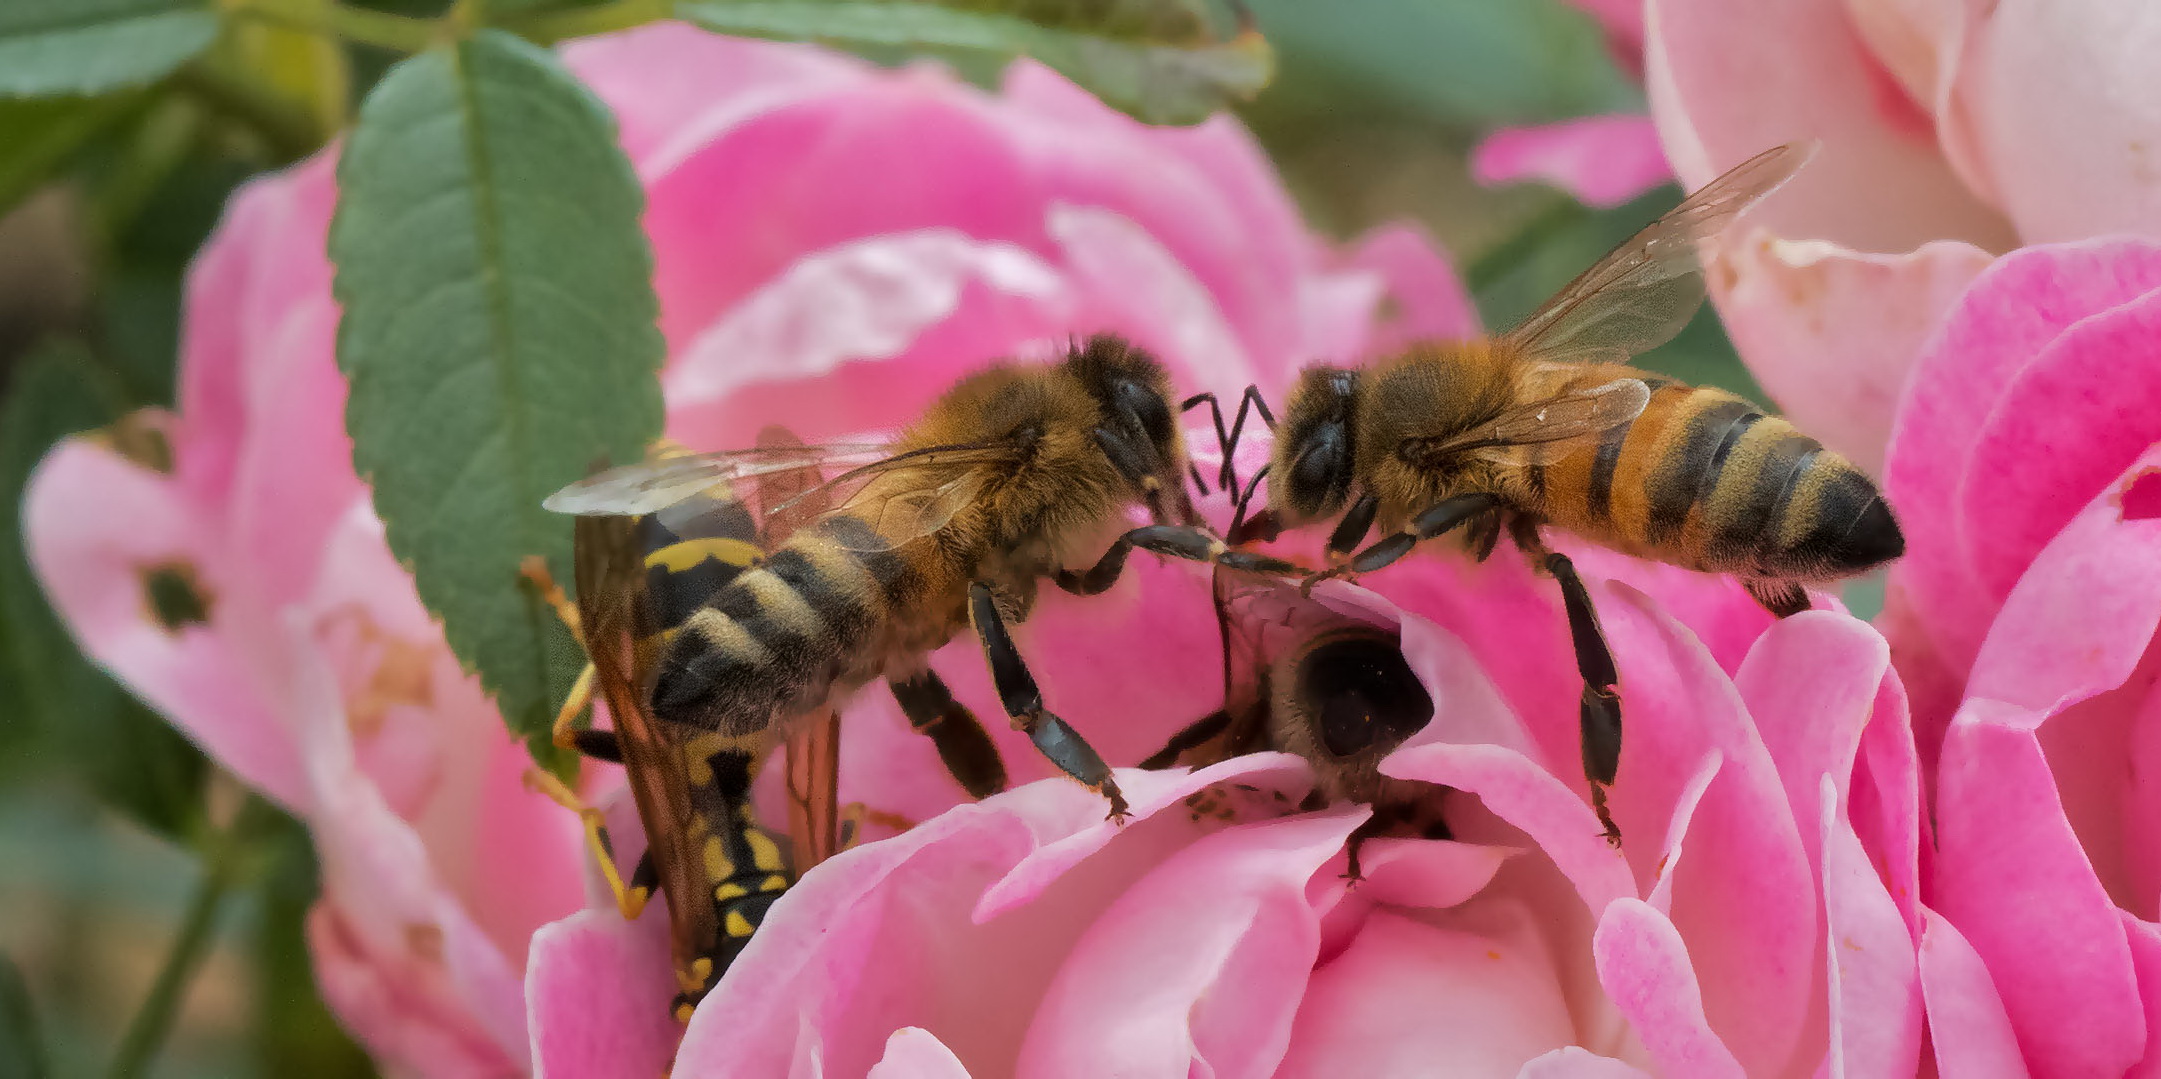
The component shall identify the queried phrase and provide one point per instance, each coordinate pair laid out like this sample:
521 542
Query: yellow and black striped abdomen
1705 479
777 638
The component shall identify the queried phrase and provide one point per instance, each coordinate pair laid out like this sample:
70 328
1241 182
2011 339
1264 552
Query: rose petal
1966 1019
1811 684
2010 873
1874 980
2145 940
597 992
1604 161
1422 299
915 1053
1644 966
1576 1062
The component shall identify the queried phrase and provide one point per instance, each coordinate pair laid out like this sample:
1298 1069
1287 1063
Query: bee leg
629 898
962 743
1599 715
1176 541
1194 735
855 816
1352 529
1227 439
1437 519
1263 525
1781 598
1024 703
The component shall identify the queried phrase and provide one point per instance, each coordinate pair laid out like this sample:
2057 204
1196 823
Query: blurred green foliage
104 811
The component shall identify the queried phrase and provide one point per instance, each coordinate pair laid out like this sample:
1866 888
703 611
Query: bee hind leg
631 896
1023 701
1781 598
963 745
1599 713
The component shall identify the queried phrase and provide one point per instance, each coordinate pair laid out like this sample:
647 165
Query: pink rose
1603 161
1950 132
1762 918
834 243
2023 616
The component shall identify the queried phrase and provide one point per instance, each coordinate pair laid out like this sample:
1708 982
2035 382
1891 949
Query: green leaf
1161 60
498 334
57 47
61 706
37 137
22 1053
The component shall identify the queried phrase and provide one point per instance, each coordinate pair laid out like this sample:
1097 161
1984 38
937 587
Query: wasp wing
661 481
1641 294
790 500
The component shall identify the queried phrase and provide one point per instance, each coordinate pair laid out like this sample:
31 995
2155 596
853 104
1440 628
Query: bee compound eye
1362 693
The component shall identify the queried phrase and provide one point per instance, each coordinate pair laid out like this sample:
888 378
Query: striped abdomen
1704 479
777 637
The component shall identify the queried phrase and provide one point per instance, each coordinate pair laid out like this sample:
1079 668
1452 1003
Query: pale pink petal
403 1016
1811 685
1727 82
1132 281
1463 993
1644 965
915 1053
95 525
1576 1062
1874 980
2003 325
2059 97
1966 1020
671 85
1833 334
1884 801
1423 298
1604 161
1199 965
2145 939
2010 874
597 990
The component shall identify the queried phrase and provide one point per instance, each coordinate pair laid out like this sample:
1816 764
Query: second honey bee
1016 474
1547 424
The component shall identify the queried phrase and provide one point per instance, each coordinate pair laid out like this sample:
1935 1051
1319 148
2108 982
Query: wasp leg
855 816
1781 598
1176 541
629 898
962 743
1193 736
1599 716
563 731
1024 702
1439 518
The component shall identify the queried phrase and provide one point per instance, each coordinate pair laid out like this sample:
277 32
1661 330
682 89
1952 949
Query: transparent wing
1573 413
659 482
898 512
1640 295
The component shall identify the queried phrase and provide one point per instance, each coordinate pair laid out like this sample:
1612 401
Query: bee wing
1640 295
660 482
797 497
1574 413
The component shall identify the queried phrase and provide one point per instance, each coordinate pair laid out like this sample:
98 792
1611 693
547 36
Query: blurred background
150 912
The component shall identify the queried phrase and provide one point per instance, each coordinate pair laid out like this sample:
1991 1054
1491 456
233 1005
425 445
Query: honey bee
1547 424
1309 678
1014 475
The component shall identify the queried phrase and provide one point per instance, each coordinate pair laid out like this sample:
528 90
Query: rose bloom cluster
1927 846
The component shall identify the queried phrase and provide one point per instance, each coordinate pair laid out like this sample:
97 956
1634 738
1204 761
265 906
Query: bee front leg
1599 716
1437 519
1176 541
1023 701
962 743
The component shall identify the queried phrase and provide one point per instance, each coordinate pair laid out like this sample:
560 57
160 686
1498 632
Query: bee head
1315 451
1138 433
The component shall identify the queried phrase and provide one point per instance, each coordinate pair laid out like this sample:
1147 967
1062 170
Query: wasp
1017 474
1548 425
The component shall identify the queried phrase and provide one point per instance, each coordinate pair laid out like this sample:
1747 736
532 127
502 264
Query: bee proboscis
1547 424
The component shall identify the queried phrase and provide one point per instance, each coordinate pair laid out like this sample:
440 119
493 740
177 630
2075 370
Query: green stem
550 27
399 33
226 861
287 130
1502 259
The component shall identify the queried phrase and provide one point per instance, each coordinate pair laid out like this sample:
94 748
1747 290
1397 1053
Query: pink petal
2145 939
1966 1020
94 525
1726 83
1884 801
2010 873
1575 1062
1832 333
1473 995
396 1010
2056 93
2003 325
1874 980
1423 298
1811 684
1603 161
1200 964
597 990
915 1053
1645 968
